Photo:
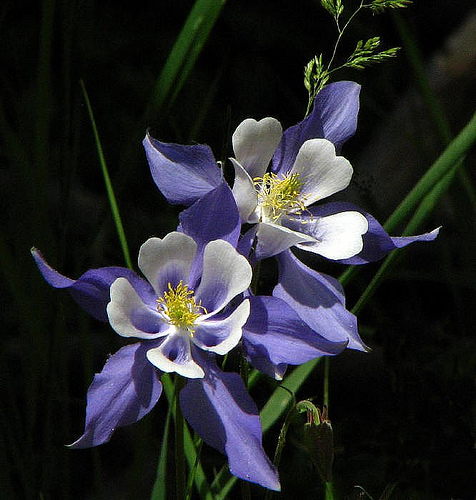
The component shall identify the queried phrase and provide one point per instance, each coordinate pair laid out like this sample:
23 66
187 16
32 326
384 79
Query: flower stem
179 442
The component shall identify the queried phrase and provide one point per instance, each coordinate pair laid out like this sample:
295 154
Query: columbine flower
277 201
182 317
304 168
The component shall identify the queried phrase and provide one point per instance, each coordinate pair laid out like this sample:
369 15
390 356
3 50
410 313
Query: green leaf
184 53
200 479
107 181
160 490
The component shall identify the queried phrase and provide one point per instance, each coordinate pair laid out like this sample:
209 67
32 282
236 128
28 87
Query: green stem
179 441
327 364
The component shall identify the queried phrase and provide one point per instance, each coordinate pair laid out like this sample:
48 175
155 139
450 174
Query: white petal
245 194
221 336
174 355
254 144
274 239
226 273
339 236
168 260
127 312
321 171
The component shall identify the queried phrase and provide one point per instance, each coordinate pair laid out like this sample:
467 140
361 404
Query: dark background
405 412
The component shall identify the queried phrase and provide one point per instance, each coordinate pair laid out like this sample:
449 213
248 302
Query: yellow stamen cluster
280 196
179 306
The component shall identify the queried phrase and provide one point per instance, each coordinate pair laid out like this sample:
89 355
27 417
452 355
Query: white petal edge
237 319
339 236
274 239
224 268
190 369
254 143
245 194
124 299
157 257
322 172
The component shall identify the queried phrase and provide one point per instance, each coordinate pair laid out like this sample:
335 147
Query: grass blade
184 53
107 181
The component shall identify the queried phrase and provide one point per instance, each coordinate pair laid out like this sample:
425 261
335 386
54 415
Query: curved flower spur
182 317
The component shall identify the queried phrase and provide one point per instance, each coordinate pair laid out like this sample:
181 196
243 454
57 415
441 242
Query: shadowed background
404 413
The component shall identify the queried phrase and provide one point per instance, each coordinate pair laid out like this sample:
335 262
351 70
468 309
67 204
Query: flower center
179 306
278 196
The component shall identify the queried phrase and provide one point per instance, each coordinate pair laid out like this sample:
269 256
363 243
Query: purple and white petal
275 336
130 317
127 388
222 413
376 242
337 236
183 174
274 238
245 194
318 299
167 260
213 217
174 354
226 273
254 143
334 117
321 172
91 290
221 335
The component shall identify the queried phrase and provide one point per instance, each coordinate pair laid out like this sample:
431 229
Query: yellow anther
179 307
279 196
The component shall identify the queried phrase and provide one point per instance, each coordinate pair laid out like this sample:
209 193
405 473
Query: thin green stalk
327 365
107 180
200 479
159 491
179 441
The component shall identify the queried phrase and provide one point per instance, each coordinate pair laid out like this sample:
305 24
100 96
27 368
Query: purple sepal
246 243
127 388
213 217
182 173
318 299
91 290
334 117
377 243
222 413
275 336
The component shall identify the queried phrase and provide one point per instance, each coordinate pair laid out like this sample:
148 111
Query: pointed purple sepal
377 243
222 413
275 336
91 290
333 117
183 174
127 388
214 217
318 299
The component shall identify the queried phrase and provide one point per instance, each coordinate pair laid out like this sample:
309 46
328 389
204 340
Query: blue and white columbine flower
277 200
182 316
304 168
